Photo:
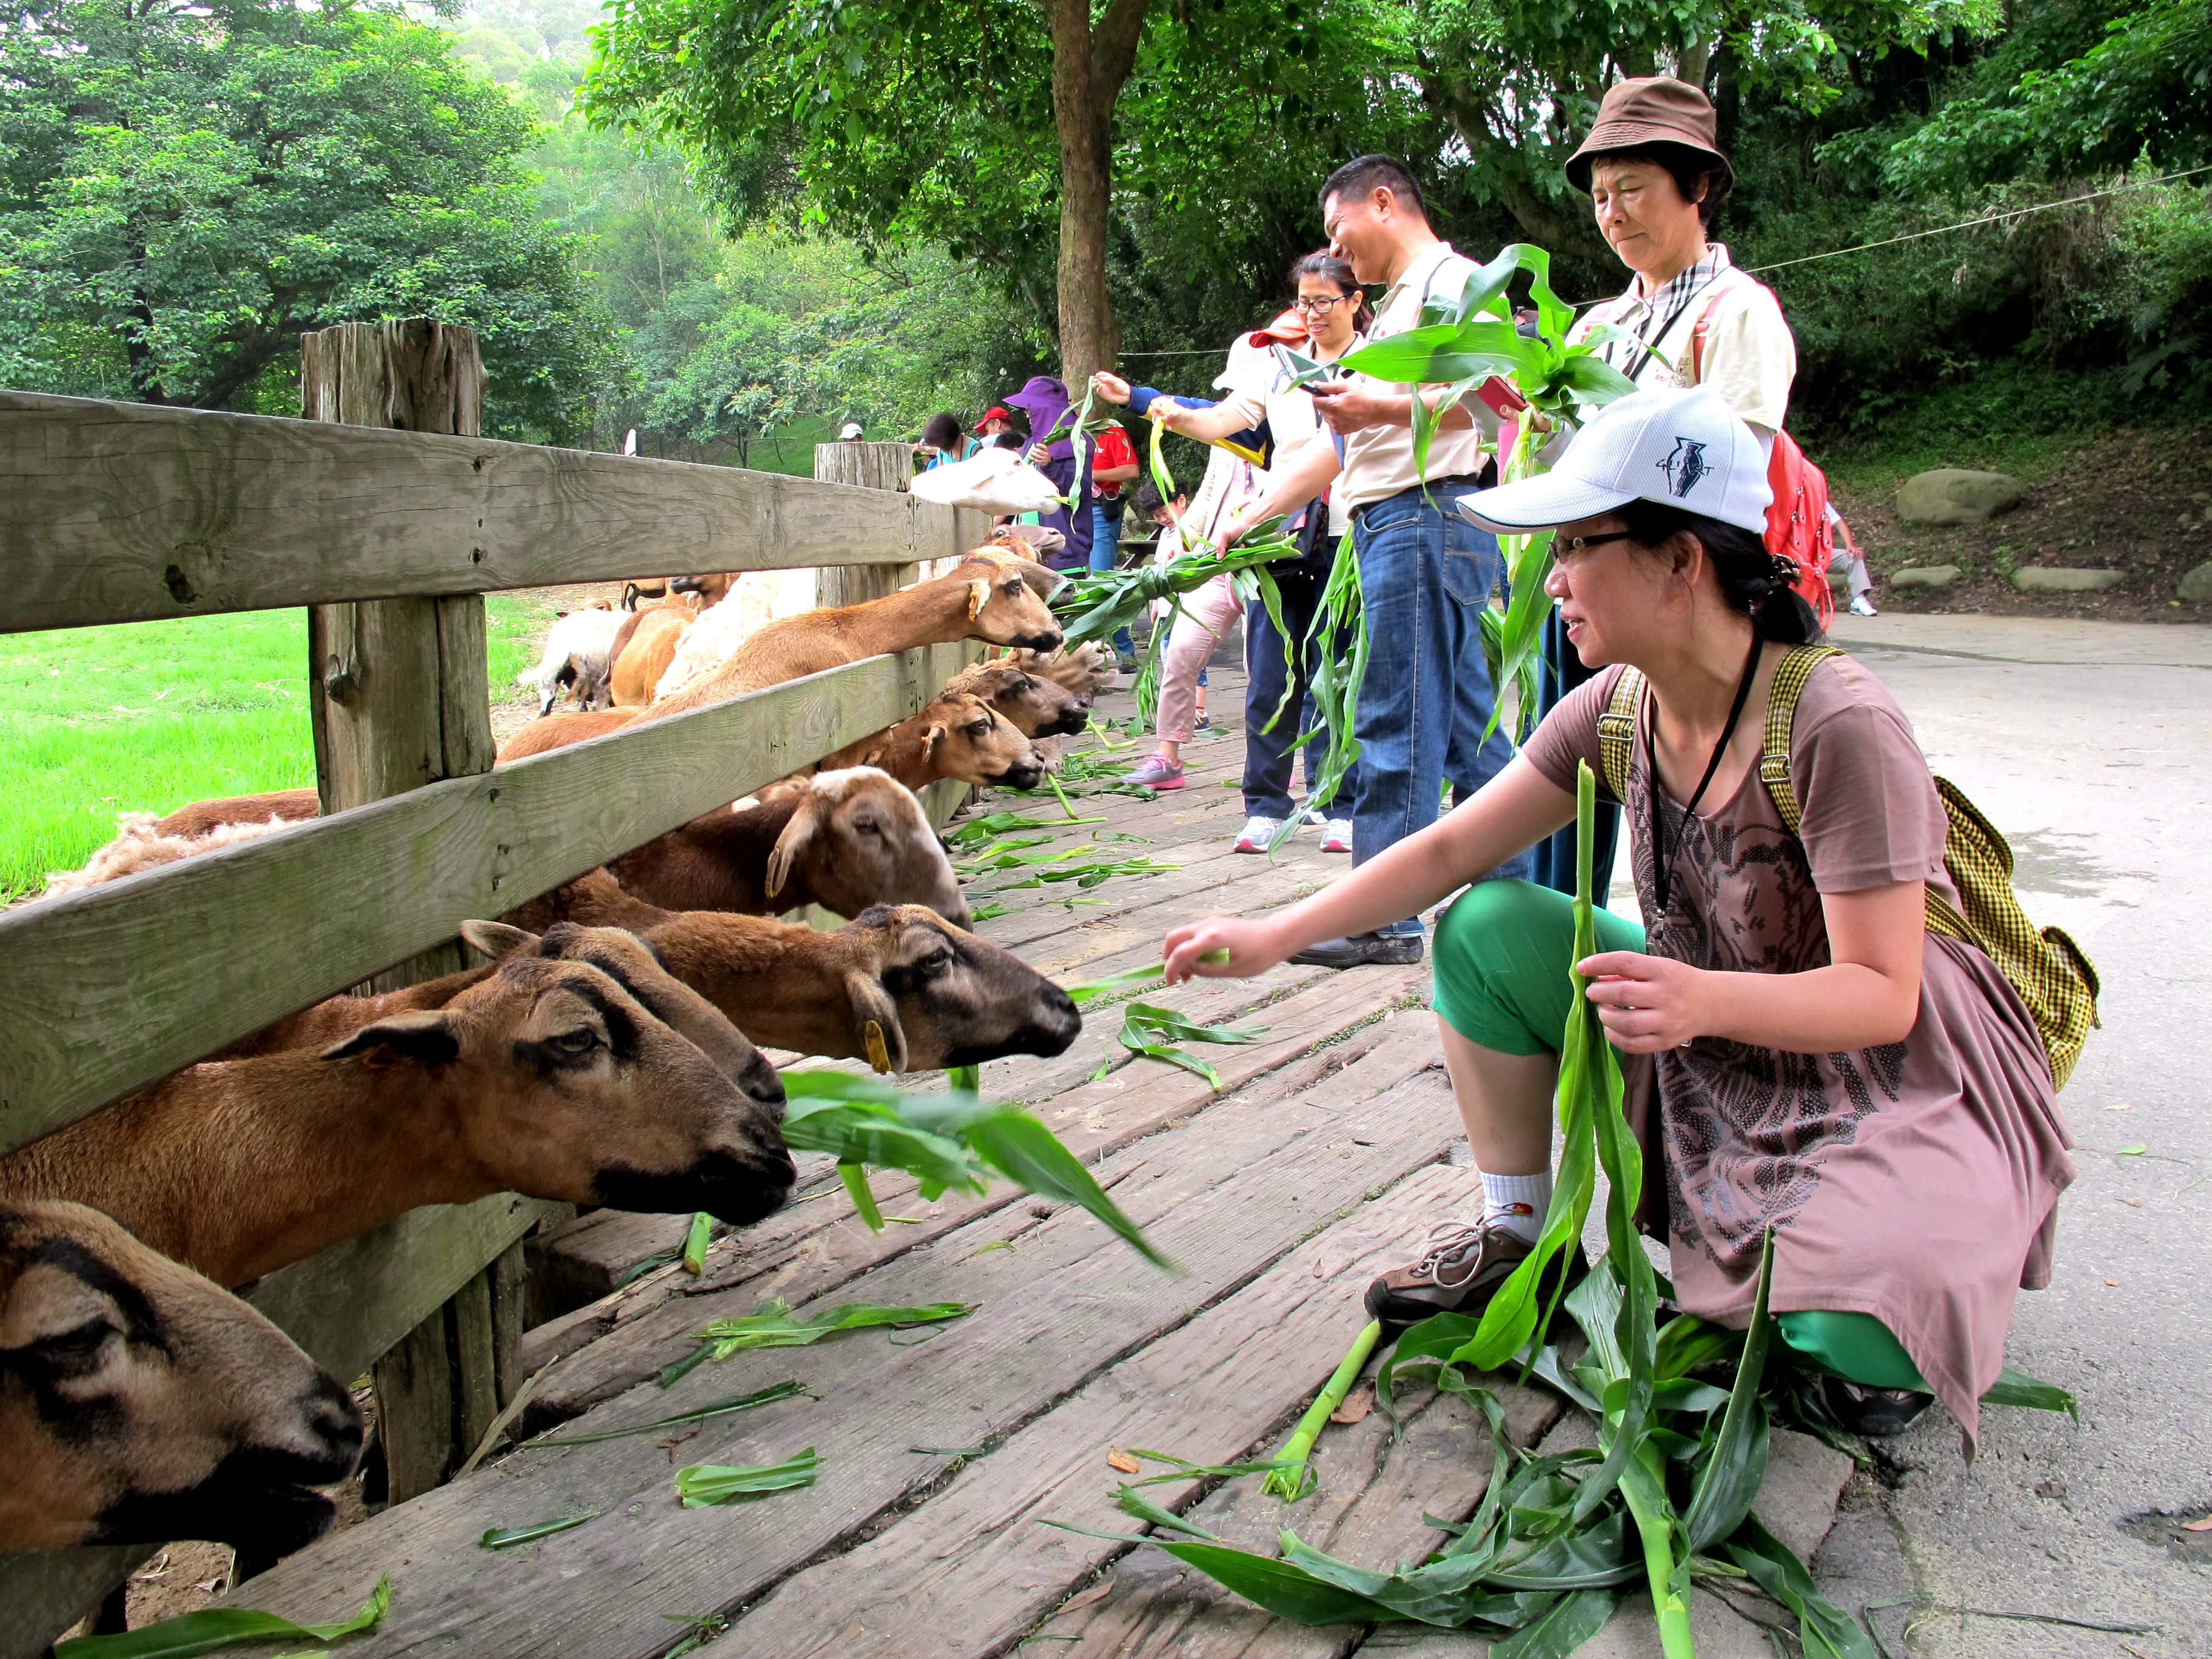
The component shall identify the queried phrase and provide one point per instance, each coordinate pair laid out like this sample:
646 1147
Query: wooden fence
122 512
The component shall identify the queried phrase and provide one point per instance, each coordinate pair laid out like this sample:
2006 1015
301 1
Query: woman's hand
1039 454
1112 388
1252 948
1646 1004
1174 415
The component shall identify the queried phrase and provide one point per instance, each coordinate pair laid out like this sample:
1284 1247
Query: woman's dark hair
1691 170
1338 273
1752 579
941 432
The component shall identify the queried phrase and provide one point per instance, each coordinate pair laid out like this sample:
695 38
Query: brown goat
1039 708
711 590
546 1078
1086 669
139 1403
643 651
989 596
958 737
292 805
935 994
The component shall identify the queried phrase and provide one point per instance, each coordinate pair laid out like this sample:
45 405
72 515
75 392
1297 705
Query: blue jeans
1425 574
1105 544
1267 754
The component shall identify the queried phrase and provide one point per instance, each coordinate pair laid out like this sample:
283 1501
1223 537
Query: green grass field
147 716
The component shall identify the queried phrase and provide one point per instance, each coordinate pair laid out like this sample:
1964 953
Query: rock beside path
2197 585
1952 495
1924 576
2047 579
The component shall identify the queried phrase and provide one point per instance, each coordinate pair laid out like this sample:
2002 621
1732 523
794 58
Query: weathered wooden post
398 697
872 466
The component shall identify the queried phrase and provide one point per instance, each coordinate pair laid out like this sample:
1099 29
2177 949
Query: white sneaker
1336 836
1259 833
1863 606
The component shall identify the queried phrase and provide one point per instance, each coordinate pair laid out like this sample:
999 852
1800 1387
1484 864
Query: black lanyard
1662 857
1648 348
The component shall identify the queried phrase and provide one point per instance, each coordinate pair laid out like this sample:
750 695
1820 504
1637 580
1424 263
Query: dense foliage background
795 212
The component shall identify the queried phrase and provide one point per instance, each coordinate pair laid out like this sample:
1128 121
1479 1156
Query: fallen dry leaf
1097 1592
2205 1525
1355 1407
670 1446
2121 1106
1118 1459
2114 1283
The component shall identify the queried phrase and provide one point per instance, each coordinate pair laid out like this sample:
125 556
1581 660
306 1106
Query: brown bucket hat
1651 109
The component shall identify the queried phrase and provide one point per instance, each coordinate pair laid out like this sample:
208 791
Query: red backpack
1797 525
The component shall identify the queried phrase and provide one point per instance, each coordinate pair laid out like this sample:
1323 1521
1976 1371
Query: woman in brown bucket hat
1653 169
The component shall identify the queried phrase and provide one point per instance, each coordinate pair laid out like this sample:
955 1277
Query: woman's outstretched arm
1514 809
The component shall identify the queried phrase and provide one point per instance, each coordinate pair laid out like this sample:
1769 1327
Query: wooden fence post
872 466
398 695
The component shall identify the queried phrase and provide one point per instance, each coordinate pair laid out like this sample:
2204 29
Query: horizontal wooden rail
112 988
123 512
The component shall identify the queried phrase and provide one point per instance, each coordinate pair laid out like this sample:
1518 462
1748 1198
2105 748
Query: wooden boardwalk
943 1452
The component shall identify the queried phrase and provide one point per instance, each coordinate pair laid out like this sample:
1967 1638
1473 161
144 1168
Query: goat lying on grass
579 653
547 1078
139 1402
938 996
989 596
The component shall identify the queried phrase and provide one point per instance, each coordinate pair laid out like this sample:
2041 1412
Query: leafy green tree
186 189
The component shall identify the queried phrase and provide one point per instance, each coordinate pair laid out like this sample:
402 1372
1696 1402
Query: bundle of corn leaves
1557 1540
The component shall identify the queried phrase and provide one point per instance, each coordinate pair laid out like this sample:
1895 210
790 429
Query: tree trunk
1091 63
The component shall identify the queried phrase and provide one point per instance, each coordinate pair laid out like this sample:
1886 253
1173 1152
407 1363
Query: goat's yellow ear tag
879 1052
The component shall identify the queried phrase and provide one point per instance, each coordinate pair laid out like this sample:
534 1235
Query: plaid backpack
2053 977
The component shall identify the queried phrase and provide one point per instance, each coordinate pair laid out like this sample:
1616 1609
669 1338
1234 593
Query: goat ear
788 846
934 736
425 1036
979 595
876 1022
497 939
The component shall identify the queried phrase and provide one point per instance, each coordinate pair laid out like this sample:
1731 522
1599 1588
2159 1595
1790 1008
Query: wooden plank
1229 1197
117 986
124 511
865 466
973 1569
43 1592
815 1246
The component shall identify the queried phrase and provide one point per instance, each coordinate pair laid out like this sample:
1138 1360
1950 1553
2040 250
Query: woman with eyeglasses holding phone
1331 308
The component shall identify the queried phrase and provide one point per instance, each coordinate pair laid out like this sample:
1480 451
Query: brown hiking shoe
1458 1272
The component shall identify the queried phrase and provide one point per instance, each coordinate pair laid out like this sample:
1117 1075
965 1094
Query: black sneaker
1874 1412
1459 1272
1363 951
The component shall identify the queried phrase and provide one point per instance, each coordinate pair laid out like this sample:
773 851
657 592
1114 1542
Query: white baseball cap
1680 448
851 429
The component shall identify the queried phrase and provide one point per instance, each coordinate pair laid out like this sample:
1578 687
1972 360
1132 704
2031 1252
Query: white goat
577 648
756 598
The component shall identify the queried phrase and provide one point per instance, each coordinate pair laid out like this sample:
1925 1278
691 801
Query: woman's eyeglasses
1319 304
1573 546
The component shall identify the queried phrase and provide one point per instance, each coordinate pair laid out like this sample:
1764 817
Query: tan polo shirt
1378 460
1750 357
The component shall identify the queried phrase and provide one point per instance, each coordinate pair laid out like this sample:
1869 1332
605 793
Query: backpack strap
1616 730
1789 680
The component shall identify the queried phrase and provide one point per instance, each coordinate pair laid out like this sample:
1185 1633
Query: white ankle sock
1517 1203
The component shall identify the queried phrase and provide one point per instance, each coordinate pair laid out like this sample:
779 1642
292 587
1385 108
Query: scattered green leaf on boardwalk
773 1327
213 1628
703 1484
720 1409
506 1538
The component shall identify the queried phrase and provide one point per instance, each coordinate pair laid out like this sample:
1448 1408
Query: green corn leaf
2014 1387
990 911
743 1402
1158 1022
1134 1504
213 1628
507 1538
775 1328
860 1121
1824 1629
1023 1150
1285 1590
1737 1462
1168 1054
856 1180
1686 1342
1564 1625
703 1484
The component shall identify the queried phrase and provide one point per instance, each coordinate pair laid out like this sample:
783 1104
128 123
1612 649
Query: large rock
2197 585
2047 579
1952 494
1924 576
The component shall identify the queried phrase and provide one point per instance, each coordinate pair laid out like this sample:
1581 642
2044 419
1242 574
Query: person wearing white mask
1806 1055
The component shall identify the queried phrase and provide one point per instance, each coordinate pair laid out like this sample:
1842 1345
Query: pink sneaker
1336 836
1157 771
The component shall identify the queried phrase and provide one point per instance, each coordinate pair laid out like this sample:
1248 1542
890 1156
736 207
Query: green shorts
1501 982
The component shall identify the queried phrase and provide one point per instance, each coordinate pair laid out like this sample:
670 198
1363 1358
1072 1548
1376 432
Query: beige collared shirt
1378 460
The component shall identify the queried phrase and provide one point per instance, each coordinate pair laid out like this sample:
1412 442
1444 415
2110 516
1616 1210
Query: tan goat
957 737
1039 708
935 995
989 596
546 1078
139 1402
643 650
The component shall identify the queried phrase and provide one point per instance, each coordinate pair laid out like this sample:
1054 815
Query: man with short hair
1425 572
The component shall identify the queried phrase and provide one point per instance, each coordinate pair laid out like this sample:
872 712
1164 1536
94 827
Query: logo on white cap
1684 465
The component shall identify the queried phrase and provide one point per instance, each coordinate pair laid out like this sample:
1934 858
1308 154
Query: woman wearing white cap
1804 1056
